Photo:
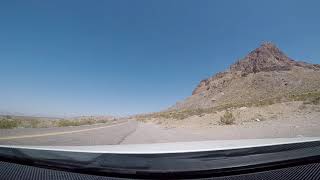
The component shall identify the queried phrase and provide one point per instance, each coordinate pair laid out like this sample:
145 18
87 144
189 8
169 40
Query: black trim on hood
169 165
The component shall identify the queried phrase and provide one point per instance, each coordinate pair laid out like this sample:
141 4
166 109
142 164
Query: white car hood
178 147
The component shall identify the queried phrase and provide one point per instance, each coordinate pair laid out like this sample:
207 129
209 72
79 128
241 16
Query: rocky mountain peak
267 57
255 78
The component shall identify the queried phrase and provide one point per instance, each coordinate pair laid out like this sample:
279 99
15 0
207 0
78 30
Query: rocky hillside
265 75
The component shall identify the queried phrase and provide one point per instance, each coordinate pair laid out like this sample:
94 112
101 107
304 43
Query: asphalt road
133 132
101 134
124 132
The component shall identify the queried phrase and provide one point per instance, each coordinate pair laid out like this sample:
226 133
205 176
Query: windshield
95 73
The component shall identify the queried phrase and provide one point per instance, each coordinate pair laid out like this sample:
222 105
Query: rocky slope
265 74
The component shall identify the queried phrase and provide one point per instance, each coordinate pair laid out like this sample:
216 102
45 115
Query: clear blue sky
122 57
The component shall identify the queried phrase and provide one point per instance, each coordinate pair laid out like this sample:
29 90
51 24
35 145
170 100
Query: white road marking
57 133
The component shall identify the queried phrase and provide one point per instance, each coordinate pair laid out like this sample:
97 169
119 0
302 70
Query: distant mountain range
3 113
265 75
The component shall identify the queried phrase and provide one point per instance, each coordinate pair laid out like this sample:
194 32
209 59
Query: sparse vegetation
80 122
259 117
307 98
302 107
176 114
10 122
227 118
316 101
313 101
310 98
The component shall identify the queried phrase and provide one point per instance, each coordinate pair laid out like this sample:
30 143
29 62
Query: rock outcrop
264 72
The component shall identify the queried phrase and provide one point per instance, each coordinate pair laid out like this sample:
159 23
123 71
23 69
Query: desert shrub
102 121
65 122
265 102
8 123
182 114
259 117
34 123
86 122
315 101
227 118
307 98
302 106
78 122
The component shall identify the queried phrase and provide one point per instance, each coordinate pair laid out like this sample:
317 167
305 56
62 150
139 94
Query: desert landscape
266 94
265 85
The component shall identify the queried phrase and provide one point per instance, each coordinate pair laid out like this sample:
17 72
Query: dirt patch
244 115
